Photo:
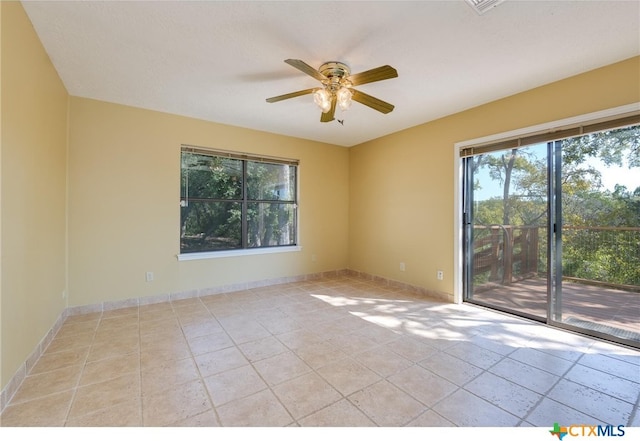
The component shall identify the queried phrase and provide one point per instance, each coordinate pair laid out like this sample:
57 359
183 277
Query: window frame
244 202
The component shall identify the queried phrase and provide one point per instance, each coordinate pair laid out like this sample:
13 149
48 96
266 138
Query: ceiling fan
337 87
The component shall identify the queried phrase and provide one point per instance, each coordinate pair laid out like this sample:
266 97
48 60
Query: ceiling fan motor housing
337 74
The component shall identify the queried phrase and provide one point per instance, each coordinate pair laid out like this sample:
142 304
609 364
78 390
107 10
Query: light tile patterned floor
334 352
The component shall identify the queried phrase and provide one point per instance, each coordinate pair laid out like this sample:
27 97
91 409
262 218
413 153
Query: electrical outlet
440 275
149 276
402 266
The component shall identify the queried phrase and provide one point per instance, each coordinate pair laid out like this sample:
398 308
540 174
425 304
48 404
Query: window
233 201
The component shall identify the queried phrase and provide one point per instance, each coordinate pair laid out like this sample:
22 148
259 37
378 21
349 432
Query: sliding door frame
554 244
458 172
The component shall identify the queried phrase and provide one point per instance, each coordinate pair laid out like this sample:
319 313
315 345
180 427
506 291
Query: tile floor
339 351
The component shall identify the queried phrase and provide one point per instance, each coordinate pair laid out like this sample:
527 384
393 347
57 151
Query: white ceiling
220 60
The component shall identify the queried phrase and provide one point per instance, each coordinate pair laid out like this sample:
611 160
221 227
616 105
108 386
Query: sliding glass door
506 230
552 231
598 180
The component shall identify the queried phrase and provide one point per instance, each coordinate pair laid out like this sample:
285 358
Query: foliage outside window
232 201
600 225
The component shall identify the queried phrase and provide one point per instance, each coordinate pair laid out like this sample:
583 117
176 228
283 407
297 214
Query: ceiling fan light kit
344 95
337 87
322 98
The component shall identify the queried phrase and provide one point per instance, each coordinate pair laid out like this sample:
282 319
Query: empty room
320 214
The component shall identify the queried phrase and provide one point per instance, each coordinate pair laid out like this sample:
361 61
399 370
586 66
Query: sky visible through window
610 176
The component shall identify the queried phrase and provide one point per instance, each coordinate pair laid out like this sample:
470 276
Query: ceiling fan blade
329 116
377 74
374 103
304 67
289 95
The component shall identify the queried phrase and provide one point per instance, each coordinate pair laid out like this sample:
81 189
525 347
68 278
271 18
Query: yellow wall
124 216
402 186
33 184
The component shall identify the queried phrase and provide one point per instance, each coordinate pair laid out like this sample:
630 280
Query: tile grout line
634 412
193 358
84 364
295 420
545 396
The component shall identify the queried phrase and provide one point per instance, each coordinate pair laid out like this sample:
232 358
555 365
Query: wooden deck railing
507 253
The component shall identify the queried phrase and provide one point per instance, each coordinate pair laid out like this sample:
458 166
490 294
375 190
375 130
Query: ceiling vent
482 6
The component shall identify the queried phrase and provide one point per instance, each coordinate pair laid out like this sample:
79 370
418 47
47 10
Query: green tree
599 241
210 219
213 201
522 175
612 255
613 147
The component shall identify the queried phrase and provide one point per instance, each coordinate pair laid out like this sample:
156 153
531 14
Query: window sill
234 253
